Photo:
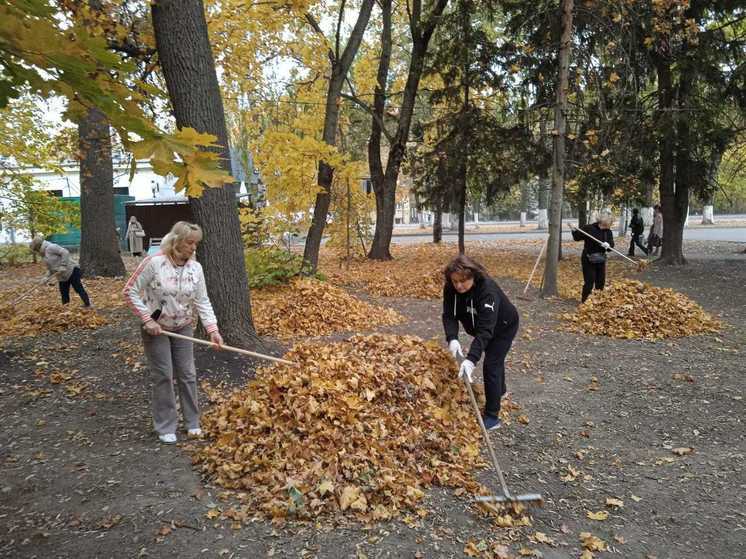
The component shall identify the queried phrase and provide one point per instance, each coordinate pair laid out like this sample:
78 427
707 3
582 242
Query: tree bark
438 225
188 67
421 35
340 66
673 218
558 165
99 244
542 218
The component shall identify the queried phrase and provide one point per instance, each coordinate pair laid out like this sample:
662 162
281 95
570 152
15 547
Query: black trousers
493 368
594 275
636 240
77 285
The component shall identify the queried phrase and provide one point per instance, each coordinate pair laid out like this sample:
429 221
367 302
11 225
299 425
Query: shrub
13 254
272 266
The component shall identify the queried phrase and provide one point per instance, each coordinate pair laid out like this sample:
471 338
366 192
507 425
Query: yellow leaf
600 515
212 514
682 451
615 503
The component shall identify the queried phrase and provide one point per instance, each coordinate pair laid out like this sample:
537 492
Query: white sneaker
195 432
168 438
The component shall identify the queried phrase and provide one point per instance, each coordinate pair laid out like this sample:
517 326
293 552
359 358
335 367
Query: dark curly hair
462 264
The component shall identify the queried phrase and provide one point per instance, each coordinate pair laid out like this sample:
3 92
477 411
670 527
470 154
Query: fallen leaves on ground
39 310
363 426
417 270
591 542
630 309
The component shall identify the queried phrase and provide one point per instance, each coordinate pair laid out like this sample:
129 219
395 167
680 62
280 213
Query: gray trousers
169 358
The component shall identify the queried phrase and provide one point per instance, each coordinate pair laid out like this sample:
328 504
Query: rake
639 264
523 295
528 499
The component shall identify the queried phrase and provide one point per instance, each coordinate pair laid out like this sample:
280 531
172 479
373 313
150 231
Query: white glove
455 348
467 370
606 246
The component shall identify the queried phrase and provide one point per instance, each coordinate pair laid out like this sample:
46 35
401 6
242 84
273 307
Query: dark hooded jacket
484 311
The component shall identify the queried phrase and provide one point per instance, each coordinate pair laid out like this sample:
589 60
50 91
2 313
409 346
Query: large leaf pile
307 307
362 426
630 309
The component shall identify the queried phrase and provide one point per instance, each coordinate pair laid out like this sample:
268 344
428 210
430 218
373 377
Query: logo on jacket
491 307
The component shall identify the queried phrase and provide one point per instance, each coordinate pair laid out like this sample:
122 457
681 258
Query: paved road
737 234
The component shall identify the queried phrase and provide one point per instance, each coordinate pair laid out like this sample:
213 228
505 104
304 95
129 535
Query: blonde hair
179 233
605 217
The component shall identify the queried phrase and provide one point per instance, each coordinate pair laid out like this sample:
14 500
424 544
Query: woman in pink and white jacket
163 292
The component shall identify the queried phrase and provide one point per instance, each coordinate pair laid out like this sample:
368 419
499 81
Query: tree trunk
99 244
438 225
708 211
673 217
542 218
189 70
340 68
583 212
558 164
420 40
379 249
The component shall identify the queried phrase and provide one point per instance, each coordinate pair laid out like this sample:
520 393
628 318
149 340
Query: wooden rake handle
536 265
228 348
486 436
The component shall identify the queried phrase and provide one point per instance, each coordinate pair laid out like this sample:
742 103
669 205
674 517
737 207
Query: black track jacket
484 311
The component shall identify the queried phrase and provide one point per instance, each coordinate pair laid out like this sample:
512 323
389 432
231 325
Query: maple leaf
600 515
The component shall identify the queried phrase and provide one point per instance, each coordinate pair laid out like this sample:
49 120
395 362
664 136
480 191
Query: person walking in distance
655 237
163 292
637 227
473 299
593 257
135 236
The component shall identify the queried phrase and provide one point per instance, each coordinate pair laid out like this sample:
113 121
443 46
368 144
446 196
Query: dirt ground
84 476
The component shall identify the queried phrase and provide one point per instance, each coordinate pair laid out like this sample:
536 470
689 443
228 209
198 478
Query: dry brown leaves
41 311
362 426
629 309
308 307
416 270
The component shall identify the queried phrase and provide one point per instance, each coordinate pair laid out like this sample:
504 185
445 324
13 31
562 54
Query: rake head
529 499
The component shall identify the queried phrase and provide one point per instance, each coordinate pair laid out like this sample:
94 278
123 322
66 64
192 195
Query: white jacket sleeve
204 307
135 286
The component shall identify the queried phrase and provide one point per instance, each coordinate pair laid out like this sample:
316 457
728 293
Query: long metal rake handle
601 242
486 437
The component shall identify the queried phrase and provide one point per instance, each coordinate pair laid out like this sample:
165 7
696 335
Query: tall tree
384 180
99 244
340 63
189 70
558 165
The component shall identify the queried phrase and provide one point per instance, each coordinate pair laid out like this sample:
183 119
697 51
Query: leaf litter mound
630 309
362 427
308 307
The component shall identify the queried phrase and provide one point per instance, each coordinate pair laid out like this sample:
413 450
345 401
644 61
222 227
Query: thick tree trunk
558 165
420 39
340 66
99 244
583 212
189 70
673 214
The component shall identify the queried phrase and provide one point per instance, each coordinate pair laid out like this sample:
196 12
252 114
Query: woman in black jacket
593 258
472 298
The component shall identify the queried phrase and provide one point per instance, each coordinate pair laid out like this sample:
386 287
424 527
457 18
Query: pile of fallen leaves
362 426
308 307
629 309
